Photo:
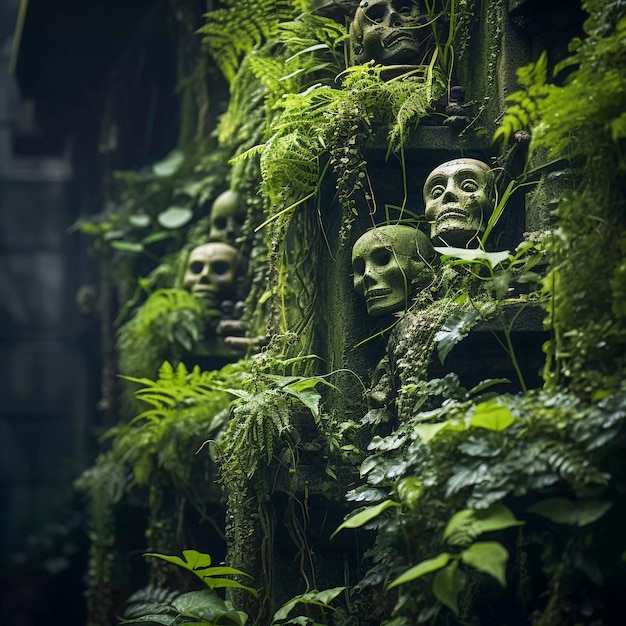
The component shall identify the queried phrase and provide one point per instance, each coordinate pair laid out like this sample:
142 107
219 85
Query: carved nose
449 195
394 20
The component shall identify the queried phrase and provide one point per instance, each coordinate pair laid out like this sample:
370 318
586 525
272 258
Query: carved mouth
452 212
397 36
375 294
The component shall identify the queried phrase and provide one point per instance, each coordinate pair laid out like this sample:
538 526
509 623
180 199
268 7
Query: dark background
86 88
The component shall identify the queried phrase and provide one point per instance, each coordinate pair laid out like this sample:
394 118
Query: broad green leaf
139 220
453 330
427 432
222 571
575 513
175 560
446 585
174 217
318 598
309 397
227 583
169 165
363 517
492 415
421 569
197 560
489 557
475 254
326 596
471 523
205 604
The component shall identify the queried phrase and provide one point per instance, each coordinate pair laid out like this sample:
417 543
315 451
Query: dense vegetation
464 506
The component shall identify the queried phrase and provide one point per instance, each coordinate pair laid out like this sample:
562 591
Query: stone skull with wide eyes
459 197
390 264
388 32
211 274
228 215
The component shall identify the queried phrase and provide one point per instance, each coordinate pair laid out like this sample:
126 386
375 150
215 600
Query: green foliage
199 564
583 119
160 607
169 324
263 415
187 407
233 31
311 598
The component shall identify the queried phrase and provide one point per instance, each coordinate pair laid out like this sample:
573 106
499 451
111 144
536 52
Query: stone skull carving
459 197
228 215
390 264
388 32
211 273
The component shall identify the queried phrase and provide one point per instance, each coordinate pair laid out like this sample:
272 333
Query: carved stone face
211 274
228 215
386 31
459 197
390 264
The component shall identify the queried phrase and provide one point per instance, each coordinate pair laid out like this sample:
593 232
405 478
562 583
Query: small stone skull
459 197
388 32
211 274
391 263
228 215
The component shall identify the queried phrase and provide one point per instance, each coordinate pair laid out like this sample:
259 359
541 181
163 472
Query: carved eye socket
406 10
358 265
219 223
220 267
375 13
469 185
196 267
381 256
437 191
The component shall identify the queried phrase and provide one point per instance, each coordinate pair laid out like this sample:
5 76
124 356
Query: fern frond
231 33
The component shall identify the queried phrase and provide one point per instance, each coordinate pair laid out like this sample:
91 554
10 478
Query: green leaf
309 397
446 586
492 415
454 329
470 523
127 246
205 604
474 255
366 515
169 165
318 598
574 513
223 571
489 557
427 432
174 217
154 237
139 220
227 583
421 569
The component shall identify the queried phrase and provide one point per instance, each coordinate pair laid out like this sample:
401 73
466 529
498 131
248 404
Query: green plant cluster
480 503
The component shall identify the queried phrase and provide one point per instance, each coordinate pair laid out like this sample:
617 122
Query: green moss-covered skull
390 264
211 274
228 215
459 197
387 32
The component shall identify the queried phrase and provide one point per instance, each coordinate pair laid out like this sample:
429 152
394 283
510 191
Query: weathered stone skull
388 32
459 197
390 264
211 274
228 215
